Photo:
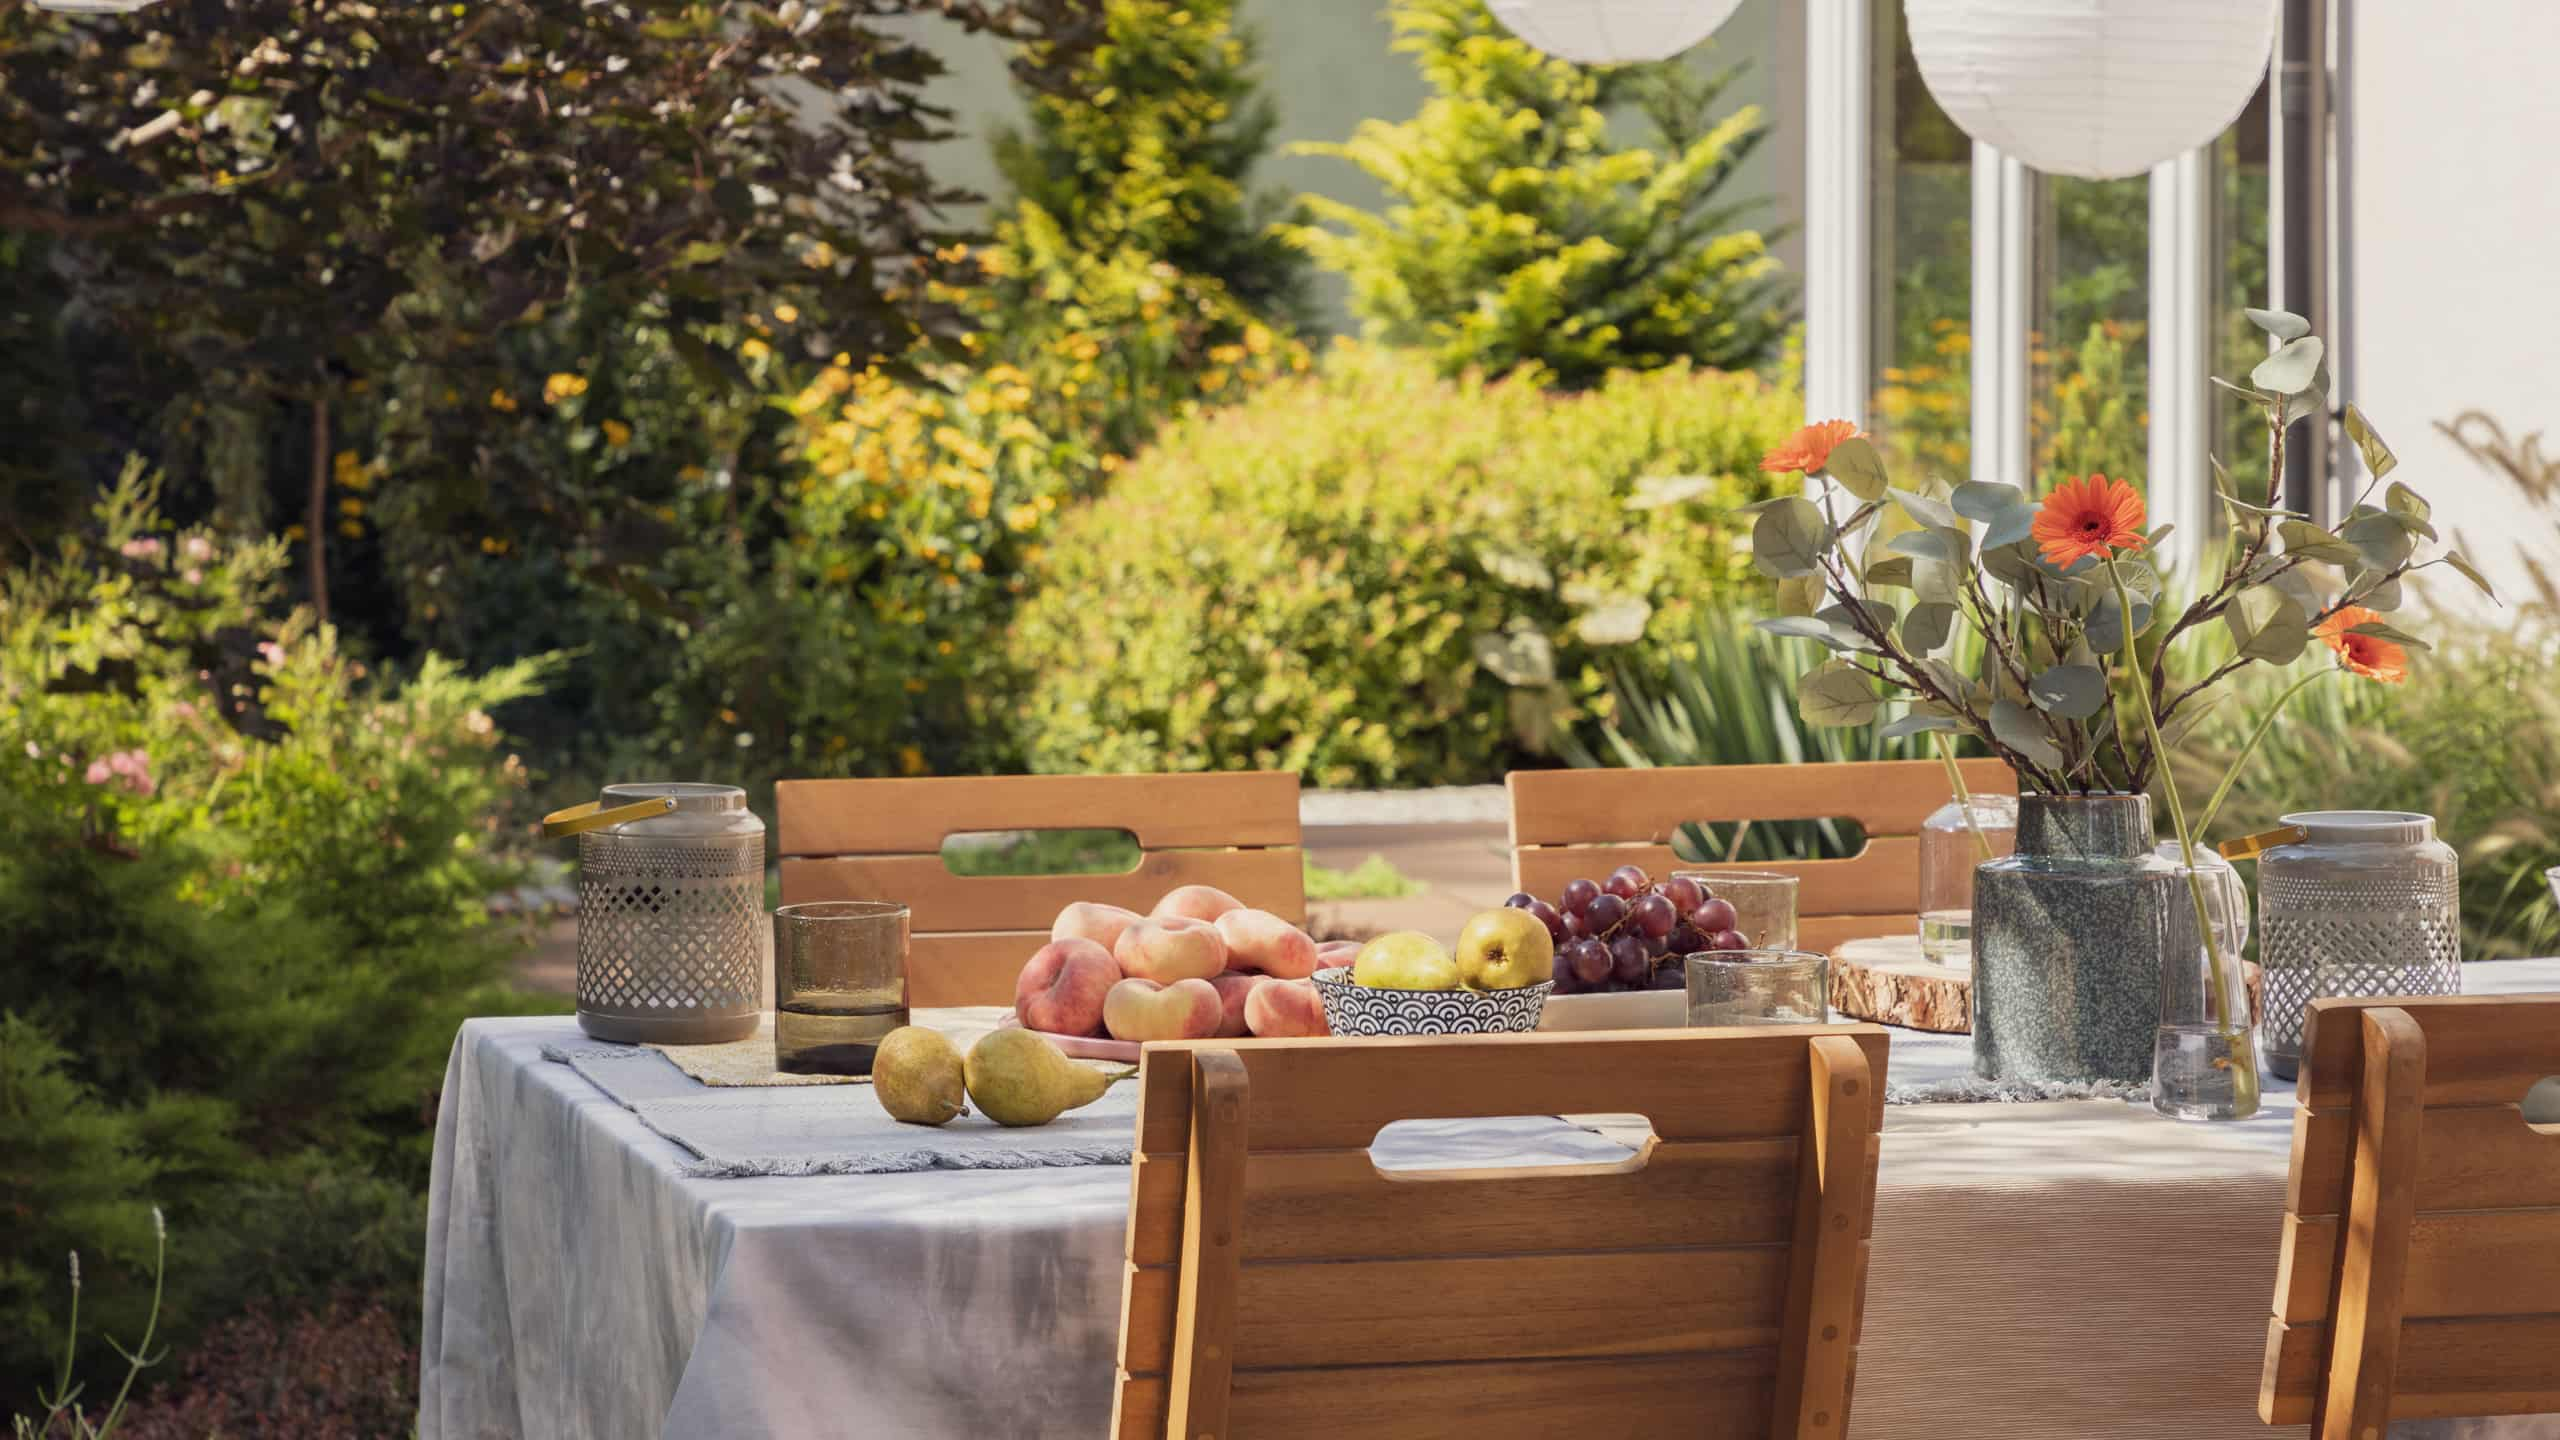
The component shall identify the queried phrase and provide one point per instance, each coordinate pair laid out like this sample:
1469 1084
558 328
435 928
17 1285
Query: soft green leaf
1789 537
2243 391
2282 324
1855 464
1917 723
2309 541
2382 541
2292 369
2266 625
2017 727
2312 399
2012 564
1801 627
2152 540
1927 626
2383 631
2466 570
1836 694
1844 616
2378 459
1934 581
2375 593
1891 570
2408 504
2074 692
2106 625
2297 587
1925 545
1927 510
1984 500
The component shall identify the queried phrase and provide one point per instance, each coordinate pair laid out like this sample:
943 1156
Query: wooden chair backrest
1569 823
2420 1273
882 840
1280 1285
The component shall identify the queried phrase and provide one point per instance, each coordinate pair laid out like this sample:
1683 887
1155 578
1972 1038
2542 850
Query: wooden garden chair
1281 1286
1569 823
2421 1266
882 840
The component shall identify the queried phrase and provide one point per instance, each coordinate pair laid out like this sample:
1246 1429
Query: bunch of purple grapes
1630 931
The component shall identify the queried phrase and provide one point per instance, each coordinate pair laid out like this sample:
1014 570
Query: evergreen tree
1148 149
1517 232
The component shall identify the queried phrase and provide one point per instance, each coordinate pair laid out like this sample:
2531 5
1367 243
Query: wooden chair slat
2420 1271
1622 1397
1362 1300
938 901
1585 807
2482 1049
1331 1204
911 817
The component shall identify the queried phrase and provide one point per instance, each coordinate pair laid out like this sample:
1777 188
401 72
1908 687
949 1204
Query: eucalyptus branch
1916 678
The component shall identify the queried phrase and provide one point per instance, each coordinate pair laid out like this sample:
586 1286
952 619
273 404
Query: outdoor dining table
2073 1268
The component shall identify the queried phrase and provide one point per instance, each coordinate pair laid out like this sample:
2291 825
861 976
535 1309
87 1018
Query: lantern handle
590 816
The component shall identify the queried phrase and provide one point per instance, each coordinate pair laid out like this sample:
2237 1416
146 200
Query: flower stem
2244 1057
1964 799
2222 792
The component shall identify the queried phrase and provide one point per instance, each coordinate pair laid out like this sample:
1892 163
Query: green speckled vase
2067 938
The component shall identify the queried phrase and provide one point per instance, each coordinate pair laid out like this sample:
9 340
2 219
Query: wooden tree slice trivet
1887 979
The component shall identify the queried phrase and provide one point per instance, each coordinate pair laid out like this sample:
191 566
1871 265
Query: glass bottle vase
2204 1057
1949 851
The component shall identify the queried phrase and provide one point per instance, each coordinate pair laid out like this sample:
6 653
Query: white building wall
2450 261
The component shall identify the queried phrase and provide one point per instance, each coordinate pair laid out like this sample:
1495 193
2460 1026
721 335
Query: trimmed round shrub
1373 576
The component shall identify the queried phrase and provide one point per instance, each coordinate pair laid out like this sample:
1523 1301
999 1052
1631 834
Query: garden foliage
1518 230
1371 575
242 885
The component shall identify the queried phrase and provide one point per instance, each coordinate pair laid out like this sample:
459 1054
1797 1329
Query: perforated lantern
1612 32
2100 89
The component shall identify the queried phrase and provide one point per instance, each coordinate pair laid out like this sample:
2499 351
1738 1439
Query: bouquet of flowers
2066 605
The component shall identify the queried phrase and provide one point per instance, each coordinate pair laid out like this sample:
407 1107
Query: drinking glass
1759 987
839 984
1763 900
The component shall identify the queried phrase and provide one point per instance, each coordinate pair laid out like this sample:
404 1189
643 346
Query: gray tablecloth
2079 1269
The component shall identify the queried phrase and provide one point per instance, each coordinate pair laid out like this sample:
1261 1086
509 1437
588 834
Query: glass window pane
2240 228
2088 358
1921 397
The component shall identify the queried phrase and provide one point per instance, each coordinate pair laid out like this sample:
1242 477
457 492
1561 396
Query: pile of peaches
1202 964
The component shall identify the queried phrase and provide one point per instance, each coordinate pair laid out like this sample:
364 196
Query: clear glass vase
2205 1063
1949 852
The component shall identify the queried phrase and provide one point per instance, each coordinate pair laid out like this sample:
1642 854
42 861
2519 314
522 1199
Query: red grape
1627 882
1715 915
1669 977
1590 960
1683 893
1574 926
1566 982
1685 939
1604 914
1577 896
1654 915
1727 940
1520 900
1547 916
1628 961
1657 946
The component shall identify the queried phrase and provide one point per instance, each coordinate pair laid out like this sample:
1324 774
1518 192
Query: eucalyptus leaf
1843 618
2296 587
2017 727
1801 627
2411 507
2381 631
2292 369
2106 625
1929 511
2312 399
1800 595
1836 694
1986 501
2152 540
1925 545
1891 570
2382 541
2074 692
2373 592
2309 541
1934 581
2266 625
1789 537
2189 715
2012 527
2243 391
1857 467
2012 564
2282 324
1927 626
2468 572
2378 459
1917 723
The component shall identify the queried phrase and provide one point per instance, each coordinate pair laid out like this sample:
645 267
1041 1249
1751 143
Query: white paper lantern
2100 89
1612 32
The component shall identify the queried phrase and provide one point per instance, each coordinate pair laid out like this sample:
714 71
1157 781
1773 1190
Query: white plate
1630 1010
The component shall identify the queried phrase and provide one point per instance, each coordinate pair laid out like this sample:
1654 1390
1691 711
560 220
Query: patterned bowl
1360 1010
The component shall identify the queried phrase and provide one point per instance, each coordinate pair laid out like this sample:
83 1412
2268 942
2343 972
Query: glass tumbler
1759 987
839 984
1764 903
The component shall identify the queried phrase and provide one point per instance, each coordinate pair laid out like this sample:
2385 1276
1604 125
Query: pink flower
140 548
129 763
184 709
197 548
271 652
98 774
194 576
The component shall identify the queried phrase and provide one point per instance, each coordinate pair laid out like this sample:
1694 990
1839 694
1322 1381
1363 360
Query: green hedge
1373 576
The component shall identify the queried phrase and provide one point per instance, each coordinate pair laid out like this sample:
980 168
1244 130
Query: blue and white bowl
1351 1009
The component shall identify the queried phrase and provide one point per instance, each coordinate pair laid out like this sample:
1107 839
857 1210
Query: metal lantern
2100 89
2357 902
671 917
1612 32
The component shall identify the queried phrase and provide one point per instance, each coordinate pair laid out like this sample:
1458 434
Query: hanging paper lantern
2100 89
1612 32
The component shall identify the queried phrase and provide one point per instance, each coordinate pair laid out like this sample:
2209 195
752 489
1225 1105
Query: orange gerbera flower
2096 516
1809 449
2370 656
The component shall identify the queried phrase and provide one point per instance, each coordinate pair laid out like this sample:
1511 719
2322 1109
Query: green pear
1019 1078
919 1077
1404 960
